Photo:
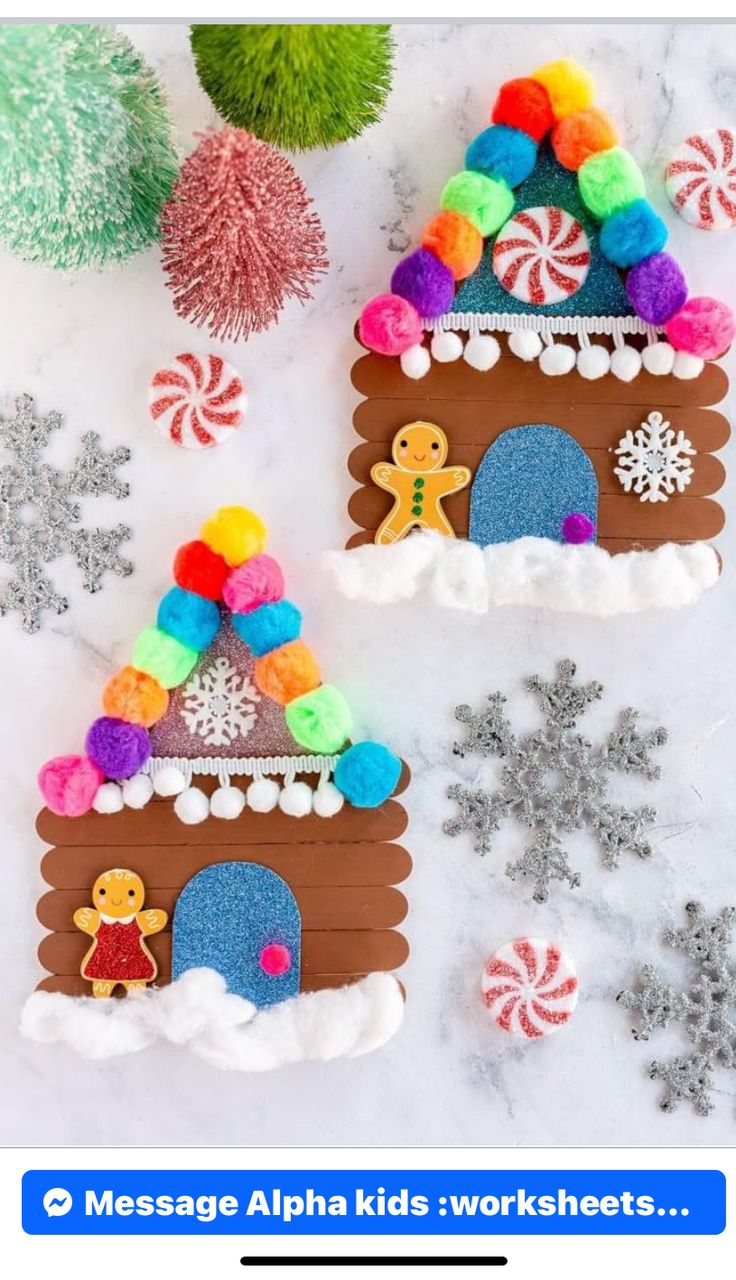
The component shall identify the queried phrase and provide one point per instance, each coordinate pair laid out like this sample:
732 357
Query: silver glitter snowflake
707 1009
554 781
654 462
40 520
219 704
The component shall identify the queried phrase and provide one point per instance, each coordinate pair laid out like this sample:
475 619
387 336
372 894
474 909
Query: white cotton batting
199 1013
528 571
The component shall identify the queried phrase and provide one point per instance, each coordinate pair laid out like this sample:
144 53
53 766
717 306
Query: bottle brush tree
296 85
86 145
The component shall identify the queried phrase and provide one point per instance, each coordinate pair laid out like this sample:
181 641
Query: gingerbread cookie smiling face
418 482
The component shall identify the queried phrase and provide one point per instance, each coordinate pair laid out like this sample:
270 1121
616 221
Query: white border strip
245 767
501 322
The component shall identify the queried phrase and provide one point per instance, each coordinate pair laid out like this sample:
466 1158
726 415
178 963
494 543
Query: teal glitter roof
602 294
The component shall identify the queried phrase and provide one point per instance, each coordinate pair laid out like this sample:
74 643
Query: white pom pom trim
327 800
415 361
192 806
557 359
593 362
137 791
296 799
481 352
169 781
526 344
227 802
687 366
658 359
626 363
446 347
263 795
109 798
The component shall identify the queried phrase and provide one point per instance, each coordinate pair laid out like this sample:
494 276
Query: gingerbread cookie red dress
118 927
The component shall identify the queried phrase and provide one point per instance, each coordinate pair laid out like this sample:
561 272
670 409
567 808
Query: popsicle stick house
544 330
242 828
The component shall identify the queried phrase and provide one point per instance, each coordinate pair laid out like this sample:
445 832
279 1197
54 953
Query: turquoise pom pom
502 152
632 234
269 627
189 618
367 774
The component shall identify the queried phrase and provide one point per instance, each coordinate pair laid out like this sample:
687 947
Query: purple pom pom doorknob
577 528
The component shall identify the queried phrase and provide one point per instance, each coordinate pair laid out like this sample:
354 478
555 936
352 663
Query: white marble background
87 346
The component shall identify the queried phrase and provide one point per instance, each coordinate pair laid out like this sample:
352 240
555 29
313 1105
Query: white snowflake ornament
654 462
219 704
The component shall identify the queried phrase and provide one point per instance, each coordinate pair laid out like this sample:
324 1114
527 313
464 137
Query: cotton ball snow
593 362
109 798
447 347
137 791
482 352
557 359
626 363
263 795
686 366
296 799
658 358
191 806
227 802
526 344
169 781
327 800
415 362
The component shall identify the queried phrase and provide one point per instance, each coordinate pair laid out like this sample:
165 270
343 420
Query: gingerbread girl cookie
418 482
118 925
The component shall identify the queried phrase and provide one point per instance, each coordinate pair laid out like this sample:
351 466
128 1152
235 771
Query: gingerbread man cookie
118 925
418 482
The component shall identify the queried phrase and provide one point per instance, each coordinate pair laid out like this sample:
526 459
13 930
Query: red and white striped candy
197 402
530 987
541 255
701 179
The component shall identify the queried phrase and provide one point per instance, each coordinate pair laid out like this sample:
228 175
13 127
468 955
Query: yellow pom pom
570 87
235 534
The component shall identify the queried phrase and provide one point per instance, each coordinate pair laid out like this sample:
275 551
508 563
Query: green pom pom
609 181
163 657
320 721
86 145
486 202
298 86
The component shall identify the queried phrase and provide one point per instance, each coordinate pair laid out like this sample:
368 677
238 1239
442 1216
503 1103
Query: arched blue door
530 480
242 920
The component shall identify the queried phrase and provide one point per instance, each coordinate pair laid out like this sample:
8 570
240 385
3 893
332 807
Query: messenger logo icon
57 1202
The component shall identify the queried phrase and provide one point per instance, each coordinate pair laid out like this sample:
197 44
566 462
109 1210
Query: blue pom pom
367 774
189 618
502 152
632 234
268 627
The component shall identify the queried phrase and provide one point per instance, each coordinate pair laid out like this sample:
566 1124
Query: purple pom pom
425 282
656 288
117 748
577 528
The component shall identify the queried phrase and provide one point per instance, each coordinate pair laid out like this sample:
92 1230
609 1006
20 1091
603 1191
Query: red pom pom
524 104
199 569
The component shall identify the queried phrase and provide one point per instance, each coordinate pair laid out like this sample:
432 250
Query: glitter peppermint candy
701 180
530 987
197 402
541 256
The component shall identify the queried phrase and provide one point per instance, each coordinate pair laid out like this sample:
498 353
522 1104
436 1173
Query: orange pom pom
580 136
286 673
524 104
455 241
134 696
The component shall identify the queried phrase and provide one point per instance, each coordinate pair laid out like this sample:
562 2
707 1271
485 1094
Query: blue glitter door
242 920
530 483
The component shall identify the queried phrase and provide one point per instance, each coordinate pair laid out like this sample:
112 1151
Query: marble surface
87 346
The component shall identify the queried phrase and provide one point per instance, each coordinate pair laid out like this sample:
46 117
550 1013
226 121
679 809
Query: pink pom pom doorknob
275 960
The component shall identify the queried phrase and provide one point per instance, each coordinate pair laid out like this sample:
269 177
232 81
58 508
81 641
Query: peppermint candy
197 402
530 987
700 180
541 256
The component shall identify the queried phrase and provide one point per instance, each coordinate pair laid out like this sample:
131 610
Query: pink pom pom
69 784
703 327
389 325
258 581
275 959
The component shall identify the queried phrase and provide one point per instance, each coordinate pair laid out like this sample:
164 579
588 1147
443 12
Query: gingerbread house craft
221 855
538 418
